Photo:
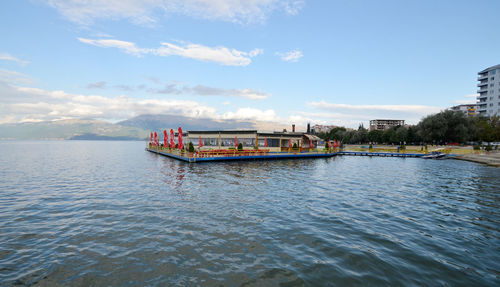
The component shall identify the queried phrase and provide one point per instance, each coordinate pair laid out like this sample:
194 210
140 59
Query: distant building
468 109
323 128
488 101
385 124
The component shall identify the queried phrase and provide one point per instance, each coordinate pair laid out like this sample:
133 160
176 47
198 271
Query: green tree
376 136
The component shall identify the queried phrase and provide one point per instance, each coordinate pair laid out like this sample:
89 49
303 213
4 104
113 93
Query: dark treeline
442 128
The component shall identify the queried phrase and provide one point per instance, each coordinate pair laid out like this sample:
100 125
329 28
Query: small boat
434 155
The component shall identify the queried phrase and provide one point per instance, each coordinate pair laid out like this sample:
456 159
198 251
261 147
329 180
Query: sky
272 62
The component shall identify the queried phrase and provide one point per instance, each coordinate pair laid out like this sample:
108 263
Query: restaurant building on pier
250 139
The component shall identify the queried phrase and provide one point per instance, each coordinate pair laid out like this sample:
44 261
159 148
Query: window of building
492 78
491 104
492 84
492 72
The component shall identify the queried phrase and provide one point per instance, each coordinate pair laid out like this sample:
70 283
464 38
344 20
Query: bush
240 147
295 146
476 147
326 145
191 147
176 145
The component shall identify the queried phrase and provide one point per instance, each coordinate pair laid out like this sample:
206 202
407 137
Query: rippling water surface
109 213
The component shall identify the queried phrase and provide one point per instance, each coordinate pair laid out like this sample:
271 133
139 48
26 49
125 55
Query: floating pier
383 154
230 155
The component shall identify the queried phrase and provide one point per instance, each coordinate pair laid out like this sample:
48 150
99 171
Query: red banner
180 139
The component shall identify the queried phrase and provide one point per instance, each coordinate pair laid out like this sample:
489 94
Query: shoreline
492 159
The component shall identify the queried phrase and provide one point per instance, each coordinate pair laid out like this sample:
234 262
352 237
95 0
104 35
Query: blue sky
274 62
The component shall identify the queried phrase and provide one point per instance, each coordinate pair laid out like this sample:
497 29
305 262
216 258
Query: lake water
111 214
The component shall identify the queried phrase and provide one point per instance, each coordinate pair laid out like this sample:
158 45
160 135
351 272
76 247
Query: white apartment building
468 109
385 124
488 101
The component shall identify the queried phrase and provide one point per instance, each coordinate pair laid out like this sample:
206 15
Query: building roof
279 134
224 132
312 137
490 68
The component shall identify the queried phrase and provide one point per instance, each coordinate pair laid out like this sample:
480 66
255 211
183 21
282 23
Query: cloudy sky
275 61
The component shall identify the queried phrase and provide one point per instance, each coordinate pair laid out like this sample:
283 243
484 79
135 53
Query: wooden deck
230 155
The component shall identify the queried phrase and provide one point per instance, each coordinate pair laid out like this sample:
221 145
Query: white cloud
351 115
33 104
220 54
249 94
201 90
97 85
127 47
9 57
256 52
148 12
249 114
468 99
13 77
397 108
292 56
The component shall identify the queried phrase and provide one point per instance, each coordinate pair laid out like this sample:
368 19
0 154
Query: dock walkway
383 154
266 155
193 157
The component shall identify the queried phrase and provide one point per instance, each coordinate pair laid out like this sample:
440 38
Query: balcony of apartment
483 83
483 89
482 76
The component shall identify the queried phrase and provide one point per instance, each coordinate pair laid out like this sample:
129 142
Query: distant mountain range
161 122
136 128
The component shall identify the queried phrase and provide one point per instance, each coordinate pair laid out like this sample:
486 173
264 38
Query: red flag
235 141
172 143
201 143
289 143
180 138
310 143
151 139
165 138
156 138
265 142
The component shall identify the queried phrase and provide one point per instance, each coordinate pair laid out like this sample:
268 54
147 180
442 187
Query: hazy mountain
68 129
133 129
161 122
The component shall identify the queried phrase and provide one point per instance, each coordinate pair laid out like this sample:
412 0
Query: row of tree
441 128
